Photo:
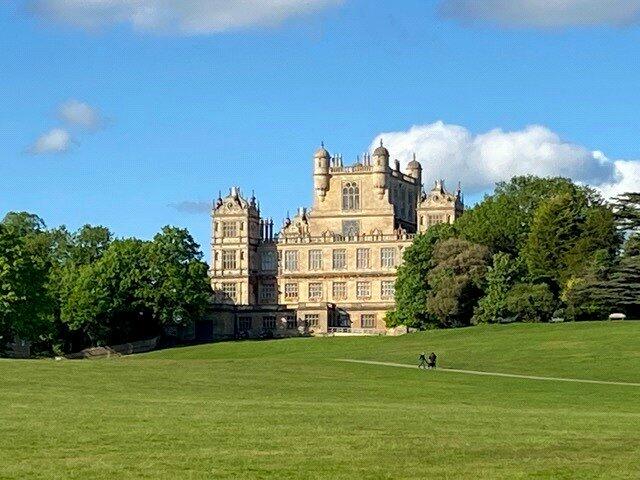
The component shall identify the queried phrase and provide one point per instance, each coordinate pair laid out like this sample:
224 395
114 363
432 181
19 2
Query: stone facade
329 269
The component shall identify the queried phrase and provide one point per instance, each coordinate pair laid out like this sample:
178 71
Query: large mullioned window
269 260
315 259
315 291
339 290
388 257
229 229
339 259
350 196
229 291
367 321
290 291
362 258
229 261
291 260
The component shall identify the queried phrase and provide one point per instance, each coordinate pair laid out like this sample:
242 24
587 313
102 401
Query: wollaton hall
330 269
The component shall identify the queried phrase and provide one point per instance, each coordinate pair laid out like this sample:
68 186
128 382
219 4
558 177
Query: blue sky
134 119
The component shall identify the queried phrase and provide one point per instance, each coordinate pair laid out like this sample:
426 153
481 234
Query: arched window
350 196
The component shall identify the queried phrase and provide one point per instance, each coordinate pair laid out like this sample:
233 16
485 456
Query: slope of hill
286 409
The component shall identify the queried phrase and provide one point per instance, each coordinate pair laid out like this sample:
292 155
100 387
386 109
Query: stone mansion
331 268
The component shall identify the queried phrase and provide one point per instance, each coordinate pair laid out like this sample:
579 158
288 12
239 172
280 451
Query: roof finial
381 142
322 143
414 156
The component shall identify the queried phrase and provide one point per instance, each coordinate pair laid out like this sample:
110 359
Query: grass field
286 409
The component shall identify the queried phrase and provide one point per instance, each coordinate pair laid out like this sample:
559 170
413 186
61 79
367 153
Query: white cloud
80 114
627 179
56 140
177 16
479 161
544 13
191 207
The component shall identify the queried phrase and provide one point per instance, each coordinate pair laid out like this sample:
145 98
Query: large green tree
412 287
568 234
627 211
26 306
178 290
456 280
502 221
104 301
504 273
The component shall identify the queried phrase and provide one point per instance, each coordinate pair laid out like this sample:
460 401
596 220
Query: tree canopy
67 290
554 243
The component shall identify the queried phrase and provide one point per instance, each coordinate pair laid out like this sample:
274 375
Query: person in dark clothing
432 361
423 361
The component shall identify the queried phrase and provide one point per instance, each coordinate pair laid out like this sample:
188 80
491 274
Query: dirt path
492 374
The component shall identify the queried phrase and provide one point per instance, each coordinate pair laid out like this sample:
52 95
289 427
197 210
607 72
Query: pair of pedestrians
427 362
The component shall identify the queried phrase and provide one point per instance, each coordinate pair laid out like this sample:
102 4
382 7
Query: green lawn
285 409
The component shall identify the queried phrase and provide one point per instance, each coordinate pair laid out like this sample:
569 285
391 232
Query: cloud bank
544 13
77 116
80 114
56 140
189 17
479 161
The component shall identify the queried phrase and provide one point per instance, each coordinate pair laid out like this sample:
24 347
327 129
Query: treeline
536 249
64 291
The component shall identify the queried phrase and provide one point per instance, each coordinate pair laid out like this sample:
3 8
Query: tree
568 233
179 289
412 287
627 211
25 304
530 303
90 243
621 291
502 221
104 299
456 280
501 277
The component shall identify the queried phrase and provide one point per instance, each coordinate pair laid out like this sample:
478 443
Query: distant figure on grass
432 361
423 361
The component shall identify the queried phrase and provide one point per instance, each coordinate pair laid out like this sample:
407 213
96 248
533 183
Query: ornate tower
414 169
380 169
439 206
234 261
321 163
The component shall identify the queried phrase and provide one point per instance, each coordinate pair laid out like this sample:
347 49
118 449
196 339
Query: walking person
432 361
423 361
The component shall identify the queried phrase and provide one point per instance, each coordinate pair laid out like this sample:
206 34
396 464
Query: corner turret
414 169
321 164
380 168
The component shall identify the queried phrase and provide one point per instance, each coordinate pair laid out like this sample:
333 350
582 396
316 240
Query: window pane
363 289
388 257
312 319
315 291
363 258
350 228
350 196
367 321
315 259
229 260
388 289
291 260
269 260
339 259
291 291
229 229
268 292
269 322
339 290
